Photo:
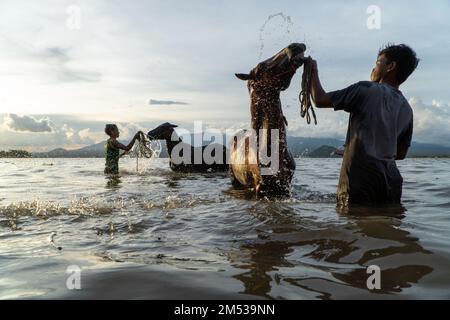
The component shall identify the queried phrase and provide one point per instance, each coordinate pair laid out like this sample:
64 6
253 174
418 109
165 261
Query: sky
69 67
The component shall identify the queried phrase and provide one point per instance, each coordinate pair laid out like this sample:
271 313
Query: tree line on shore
15 154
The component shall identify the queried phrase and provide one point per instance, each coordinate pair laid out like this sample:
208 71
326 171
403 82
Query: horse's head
277 71
162 132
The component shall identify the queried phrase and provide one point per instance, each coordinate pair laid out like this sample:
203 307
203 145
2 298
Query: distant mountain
93 151
419 150
323 152
299 147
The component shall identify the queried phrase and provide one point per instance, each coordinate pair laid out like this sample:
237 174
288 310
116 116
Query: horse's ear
243 76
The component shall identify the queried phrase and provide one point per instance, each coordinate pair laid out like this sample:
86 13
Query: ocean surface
156 234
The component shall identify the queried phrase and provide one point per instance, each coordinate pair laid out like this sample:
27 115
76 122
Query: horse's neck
269 115
171 143
266 110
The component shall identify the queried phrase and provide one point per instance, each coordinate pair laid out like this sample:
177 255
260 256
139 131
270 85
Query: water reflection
288 245
113 182
388 210
173 181
399 255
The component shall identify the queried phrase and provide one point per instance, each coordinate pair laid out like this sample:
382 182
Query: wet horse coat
265 82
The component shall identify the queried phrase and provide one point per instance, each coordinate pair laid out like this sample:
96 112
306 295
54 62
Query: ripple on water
301 246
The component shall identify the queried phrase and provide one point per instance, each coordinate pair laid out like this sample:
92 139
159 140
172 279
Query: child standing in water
113 147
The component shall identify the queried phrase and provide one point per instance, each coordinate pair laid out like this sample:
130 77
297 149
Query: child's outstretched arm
128 147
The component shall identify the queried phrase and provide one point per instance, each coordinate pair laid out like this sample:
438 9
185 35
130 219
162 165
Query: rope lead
305 93
144 149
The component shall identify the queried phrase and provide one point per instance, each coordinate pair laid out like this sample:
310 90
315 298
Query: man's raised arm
319 96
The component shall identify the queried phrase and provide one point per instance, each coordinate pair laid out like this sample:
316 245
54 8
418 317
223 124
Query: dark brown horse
182 155
265 82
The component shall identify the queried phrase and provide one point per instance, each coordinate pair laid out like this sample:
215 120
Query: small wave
143 171
183 262
320 197
46 209
301 193
91 172
17 175
122 227
38 171
178 202
441 205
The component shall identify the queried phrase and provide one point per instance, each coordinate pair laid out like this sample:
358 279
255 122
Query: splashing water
286 23
83 206
145 148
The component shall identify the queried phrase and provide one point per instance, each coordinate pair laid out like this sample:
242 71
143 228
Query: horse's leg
258 190
233 149
235 182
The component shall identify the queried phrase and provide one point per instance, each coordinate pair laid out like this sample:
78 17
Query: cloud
128 130
58 59
166 102
56 54
82 137
14 122
431 121
69 135
40 133
431 125
68 131
195 58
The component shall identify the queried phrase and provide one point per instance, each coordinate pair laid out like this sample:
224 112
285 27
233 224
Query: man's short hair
110 128
405 58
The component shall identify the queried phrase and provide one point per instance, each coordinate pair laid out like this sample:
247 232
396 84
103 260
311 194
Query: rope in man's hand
305 93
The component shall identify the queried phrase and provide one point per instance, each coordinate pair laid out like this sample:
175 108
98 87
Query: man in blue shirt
379 131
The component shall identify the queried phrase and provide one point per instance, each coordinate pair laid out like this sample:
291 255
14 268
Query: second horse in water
187 158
